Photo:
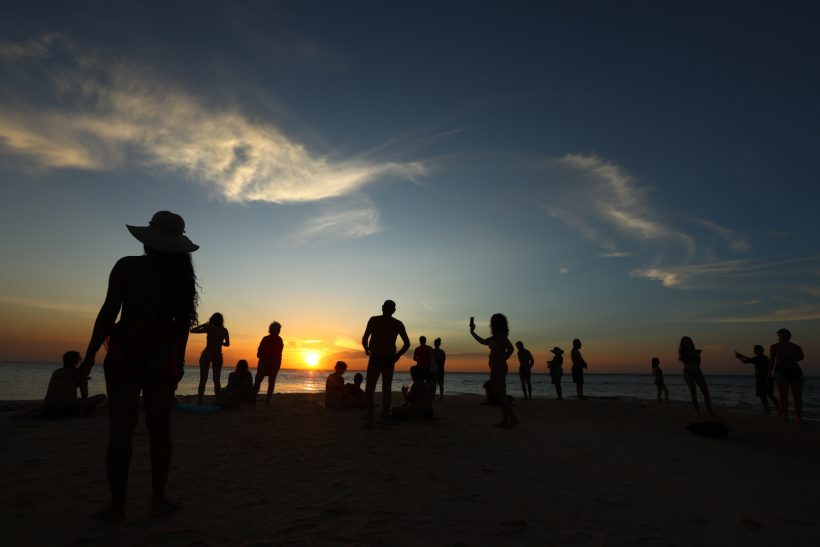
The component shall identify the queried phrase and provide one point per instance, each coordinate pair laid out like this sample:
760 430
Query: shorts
577 375
266 368
379 364
792 375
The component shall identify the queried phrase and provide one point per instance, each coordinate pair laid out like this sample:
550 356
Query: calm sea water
28 381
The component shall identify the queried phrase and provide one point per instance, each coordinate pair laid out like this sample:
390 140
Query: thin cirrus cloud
340 221
102 114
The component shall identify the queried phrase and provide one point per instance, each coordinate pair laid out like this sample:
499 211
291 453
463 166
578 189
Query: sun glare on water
312 358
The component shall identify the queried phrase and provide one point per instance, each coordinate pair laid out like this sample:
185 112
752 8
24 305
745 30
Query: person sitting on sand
525 364
693 375
61 396
786 356
352 395
556 368
658 374
417 400
578 366
334 385
217 336
270 360
764 382
501 349
239 388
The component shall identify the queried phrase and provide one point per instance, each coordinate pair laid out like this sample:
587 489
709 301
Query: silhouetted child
556 368
61 397
334 385
217 336
239 388
352 396
764 381
417 401
525 364
658 374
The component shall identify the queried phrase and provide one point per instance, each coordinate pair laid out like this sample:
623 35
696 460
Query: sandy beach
596 472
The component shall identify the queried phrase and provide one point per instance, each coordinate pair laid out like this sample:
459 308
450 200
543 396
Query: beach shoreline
602 471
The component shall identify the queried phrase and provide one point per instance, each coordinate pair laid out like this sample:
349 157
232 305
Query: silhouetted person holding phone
525 364
578 367
270 360
556 369
437 366
786 357
660 385
155 296
693 375
217 336
764 382
501 349
61 397
379 343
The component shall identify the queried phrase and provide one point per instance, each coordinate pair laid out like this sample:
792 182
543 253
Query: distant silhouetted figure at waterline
439 357
156 298
578 367
660 385
61 396
556 370
786 357
500 350
211 357
270 360
379 343
525 364
764 381
693 375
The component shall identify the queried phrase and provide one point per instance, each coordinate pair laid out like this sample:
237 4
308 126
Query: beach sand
595 472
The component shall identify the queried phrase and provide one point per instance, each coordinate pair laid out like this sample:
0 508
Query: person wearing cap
786 356
556 369
155 297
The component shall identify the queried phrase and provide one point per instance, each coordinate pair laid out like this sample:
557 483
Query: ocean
28 381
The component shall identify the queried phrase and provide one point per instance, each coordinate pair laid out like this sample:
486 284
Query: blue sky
625 172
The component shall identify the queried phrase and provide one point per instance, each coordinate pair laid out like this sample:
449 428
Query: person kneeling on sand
417 400
239 388
352 395
335 385
61 397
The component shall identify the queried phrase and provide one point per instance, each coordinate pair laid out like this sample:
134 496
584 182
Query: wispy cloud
104 113
47 305
341 220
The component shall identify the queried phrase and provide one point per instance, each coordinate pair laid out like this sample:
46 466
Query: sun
312 358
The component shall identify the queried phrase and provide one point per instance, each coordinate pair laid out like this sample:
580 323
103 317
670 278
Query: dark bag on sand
709 428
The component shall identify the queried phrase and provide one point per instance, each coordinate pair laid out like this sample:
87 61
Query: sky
625 173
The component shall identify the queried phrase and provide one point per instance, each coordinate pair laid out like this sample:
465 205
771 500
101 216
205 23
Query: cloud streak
112 113
347 220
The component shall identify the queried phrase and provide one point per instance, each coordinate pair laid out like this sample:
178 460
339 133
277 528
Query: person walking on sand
786 357
270 360
217 336
525 364
501 349
659 383
693 375
439 357
578 366
764 382
556 370
155 296
379 343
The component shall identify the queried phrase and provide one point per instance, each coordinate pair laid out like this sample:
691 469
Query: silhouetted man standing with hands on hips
379 342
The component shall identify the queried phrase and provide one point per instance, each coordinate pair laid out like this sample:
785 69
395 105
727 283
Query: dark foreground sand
595 472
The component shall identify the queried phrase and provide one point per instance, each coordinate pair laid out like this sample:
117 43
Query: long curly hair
499 325
183 288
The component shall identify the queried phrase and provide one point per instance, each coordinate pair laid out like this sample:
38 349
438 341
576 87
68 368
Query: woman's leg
707 400
204 365
158 396
271 383
123 403
217 373
690 383
658 388
783 398
797 393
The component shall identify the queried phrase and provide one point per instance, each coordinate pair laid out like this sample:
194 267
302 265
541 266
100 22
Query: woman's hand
86 365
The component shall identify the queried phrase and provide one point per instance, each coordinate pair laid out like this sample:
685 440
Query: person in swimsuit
439 358
525 364
270 360
217 336
578 366
155 296
764 382
659 383
501 349
61 397
556 369
379 343
785 357
693 375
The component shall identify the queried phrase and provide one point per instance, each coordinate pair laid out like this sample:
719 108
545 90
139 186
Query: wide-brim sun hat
165 233
557 351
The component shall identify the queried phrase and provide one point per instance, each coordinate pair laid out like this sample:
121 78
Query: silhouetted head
655 361
340 367
576 344
415 373
275 328
165 233
519 345
557 351
686 344
71 359
217 320
784 334
758 349
499 325
389 307
241 366
358 378
437 343
422 340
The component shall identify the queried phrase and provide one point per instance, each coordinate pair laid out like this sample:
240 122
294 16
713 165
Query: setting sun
312 358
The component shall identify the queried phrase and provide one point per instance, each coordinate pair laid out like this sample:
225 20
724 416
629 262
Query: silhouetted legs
205 363
440 382
663 389
526 385
257 383
697 379
796 385
379 365
499 383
